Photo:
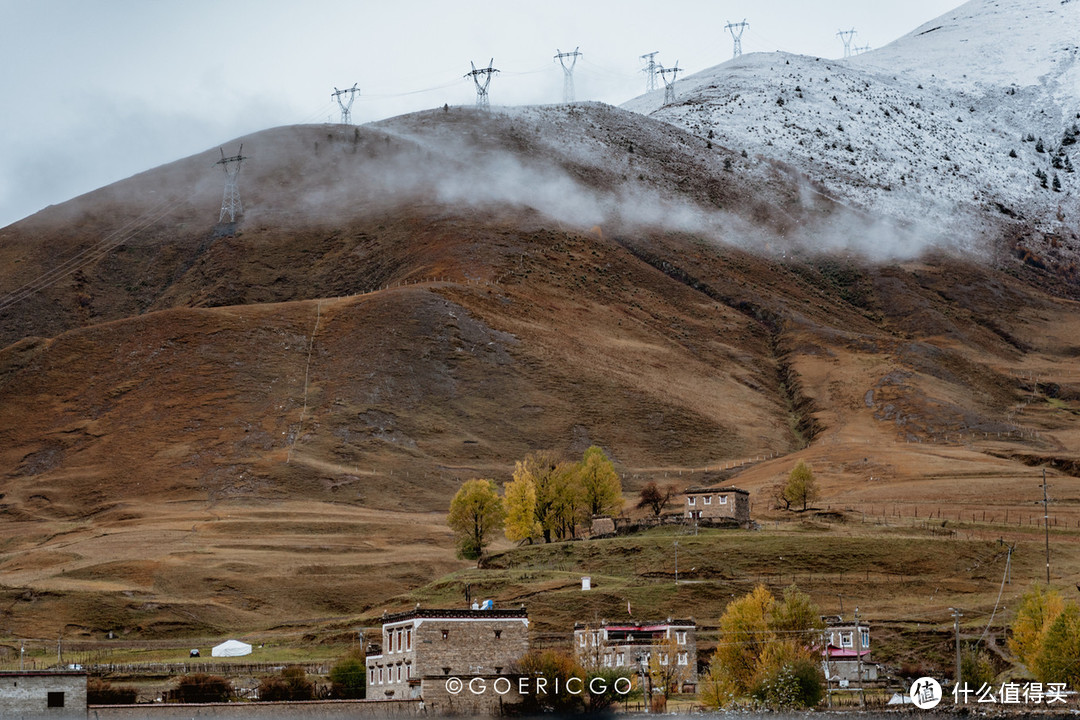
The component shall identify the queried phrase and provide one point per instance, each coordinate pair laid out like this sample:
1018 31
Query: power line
568 73
737 36
669 87
230 200
845 37
482 85
88 256
650 70
346 107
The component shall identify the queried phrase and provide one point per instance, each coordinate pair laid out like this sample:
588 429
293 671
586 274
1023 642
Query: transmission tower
669 87
230 201
568 73
346 108
845 37
650 70
737 36
482 85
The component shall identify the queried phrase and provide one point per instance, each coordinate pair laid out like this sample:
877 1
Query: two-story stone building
847 649
444 643
634 645
718 505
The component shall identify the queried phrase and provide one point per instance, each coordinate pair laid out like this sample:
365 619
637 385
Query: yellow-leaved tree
801 487
767 650
1046 635
558 498
476 513
520 498
600 484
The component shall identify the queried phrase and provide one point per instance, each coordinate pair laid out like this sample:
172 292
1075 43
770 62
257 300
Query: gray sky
97 90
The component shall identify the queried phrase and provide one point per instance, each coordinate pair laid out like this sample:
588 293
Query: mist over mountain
942 131
798 259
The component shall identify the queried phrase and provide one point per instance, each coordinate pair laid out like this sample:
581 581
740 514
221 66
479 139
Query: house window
619 659
371 679
846 639
680 637
581 639
498 634
684 658
691 500
408 639
663 658
445 634
408 671
708 499
399 673
55 699
595 638
380 676
723 499
607 659
865 638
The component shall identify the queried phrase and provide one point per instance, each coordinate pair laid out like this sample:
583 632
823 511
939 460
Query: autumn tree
767 650
520 498
801 487
600 485
655 498
1046 635
476 512
664 668
1057 659
1038 608
558 498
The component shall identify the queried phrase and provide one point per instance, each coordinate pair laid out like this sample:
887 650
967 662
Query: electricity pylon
346 108
669 87
650 70
845 37
568 73
737 37
482 85
230 201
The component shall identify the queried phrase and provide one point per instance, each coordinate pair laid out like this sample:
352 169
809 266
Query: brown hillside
411 304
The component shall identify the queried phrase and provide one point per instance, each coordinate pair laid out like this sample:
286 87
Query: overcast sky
96 90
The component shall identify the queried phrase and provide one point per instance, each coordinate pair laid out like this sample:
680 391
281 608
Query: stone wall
316 710
27 695
489 695
469 647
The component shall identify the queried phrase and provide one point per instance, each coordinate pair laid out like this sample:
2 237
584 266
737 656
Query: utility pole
845 37
230 201
568 73
1046 523
650 70
346 108
676 562
669 87
737 37
956 627
858 658
482 85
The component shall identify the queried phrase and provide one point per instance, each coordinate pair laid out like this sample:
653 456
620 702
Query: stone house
845 645
633 645
433 643
43 693
713 504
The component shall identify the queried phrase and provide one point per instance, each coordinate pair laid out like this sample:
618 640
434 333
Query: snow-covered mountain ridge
940 129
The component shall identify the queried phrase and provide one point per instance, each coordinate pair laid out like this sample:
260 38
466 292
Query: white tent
231 648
